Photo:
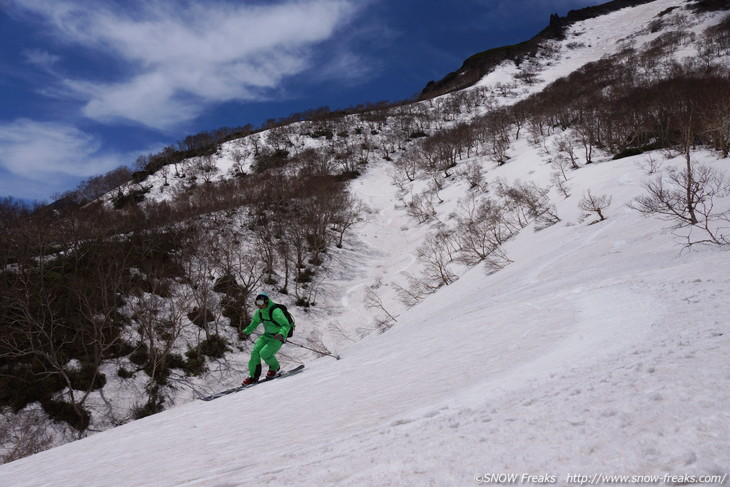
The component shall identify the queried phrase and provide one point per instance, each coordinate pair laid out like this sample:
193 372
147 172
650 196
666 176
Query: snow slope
592 39
601 350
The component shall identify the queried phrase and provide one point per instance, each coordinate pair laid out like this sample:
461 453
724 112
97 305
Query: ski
286 373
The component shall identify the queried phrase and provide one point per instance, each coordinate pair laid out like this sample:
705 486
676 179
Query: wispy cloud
40 58
46 151
179 57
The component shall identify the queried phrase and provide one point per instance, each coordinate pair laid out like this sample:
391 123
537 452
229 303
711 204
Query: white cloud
40 150
42 59
182 56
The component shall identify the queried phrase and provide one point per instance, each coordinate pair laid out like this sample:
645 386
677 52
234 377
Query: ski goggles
261 302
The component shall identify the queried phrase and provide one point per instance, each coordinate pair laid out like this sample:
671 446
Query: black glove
243 336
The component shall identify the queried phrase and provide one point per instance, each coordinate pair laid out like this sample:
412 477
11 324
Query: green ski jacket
274 322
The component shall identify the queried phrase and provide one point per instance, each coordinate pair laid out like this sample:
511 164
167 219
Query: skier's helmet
262 300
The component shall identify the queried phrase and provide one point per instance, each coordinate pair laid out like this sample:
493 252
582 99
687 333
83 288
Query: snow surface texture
602 349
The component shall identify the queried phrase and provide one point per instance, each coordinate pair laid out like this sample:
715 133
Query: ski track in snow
373 260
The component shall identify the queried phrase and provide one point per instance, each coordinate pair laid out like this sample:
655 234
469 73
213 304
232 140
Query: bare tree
561 163
559 181
688 199
650 165
242 265
408 164
596 203
160 323
199 270
472 172
23 434
240 156
436 254
56 308
349 213
481 230
524 202
373 300
421 207
565 145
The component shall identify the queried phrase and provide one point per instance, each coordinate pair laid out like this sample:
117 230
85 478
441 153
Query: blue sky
87 86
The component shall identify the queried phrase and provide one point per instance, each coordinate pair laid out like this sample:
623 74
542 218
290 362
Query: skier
276 329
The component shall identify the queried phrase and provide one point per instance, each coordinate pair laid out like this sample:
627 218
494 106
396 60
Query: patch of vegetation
215 347
75 416
175 361
326 133
153 405
141 355
632 151
271 160
124 373
21 384
348 176
86 378
227 284
232 308
200 317
195 362
132 198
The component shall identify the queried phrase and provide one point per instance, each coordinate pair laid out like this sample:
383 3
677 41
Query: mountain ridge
480 64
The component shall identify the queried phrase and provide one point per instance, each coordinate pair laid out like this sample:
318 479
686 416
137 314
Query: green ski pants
264 348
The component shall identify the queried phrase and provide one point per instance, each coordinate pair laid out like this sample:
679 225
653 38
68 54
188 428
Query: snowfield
601 350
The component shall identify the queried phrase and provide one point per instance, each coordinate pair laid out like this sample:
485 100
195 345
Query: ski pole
313 350
306 348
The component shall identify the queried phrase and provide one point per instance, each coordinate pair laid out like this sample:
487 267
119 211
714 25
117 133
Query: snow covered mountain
591 348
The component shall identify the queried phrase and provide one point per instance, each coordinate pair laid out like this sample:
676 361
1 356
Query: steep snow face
601 349
590 40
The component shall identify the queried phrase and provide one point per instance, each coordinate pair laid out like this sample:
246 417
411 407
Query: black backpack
288 315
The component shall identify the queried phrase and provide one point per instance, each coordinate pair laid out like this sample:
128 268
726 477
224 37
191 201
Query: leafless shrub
239 155
23 434
650 165
481 229
559 180
160 323
316 344
421 207
472 173
436 254
407 165
528 72
566 147
525 202
373 300
337 329
400 181
596 203
350 213
687 198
